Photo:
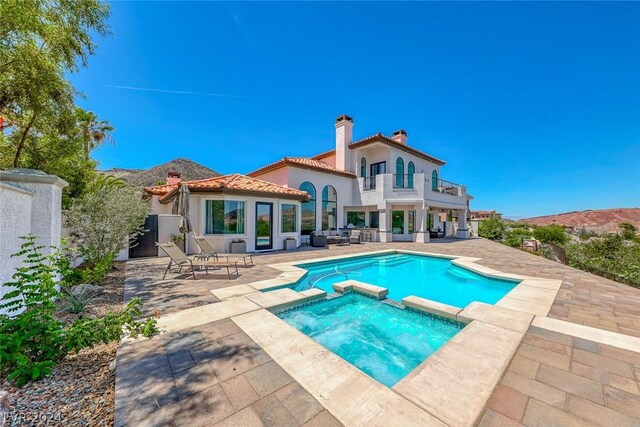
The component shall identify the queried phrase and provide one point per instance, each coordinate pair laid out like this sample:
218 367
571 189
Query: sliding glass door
264 226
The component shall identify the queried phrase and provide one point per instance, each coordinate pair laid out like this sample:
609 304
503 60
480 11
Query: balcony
398 181
403 181
446 187
369 183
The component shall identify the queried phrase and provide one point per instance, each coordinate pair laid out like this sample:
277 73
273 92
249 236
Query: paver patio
197 373
210 375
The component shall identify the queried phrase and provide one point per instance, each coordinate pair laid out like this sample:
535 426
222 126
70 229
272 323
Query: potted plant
238 246
178 240
290 243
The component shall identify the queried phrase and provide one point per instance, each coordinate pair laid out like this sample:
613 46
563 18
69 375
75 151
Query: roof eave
283 163
166 199
388 141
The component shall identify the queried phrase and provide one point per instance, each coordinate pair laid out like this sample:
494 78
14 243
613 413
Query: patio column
463 232
422 234
385 225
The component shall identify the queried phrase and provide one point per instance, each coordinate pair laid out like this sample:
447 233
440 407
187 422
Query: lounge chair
207 251
181 260
356 236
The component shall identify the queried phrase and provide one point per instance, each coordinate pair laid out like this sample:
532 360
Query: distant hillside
188 170
605 220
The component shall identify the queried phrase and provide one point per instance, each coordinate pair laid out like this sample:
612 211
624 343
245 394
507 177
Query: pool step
460 274
394 261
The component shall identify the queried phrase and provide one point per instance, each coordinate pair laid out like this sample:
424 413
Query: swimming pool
383 341
407 274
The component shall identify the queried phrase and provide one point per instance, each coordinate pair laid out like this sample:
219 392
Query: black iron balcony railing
446 187
369 183
403 181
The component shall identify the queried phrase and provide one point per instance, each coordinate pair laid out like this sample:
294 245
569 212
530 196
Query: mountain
605 220
188 170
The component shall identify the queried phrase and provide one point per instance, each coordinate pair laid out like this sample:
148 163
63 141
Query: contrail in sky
179 92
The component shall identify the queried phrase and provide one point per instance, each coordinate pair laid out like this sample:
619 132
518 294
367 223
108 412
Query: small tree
628 230
551 234
492 229
103 221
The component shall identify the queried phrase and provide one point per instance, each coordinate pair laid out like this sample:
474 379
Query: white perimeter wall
30 203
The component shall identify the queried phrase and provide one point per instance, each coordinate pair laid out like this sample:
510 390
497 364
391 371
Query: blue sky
534 106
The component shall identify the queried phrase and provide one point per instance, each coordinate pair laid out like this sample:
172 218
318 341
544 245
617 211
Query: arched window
329 208
308 209
411 169
363 168
399 172
434 180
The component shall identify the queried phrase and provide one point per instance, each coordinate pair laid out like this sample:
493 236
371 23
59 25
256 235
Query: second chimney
400 136
344 136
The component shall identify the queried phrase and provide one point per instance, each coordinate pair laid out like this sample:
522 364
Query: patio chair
318 240
356 236
207 251
181 260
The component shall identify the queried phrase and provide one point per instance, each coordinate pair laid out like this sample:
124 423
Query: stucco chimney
344 136
400 136
173 177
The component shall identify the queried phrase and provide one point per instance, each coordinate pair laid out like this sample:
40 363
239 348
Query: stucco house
379 183
232 207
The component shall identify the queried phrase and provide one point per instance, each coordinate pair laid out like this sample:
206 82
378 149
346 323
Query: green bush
32 339
586 235
551 234
514 236
628 230
103 220
492 229
609 256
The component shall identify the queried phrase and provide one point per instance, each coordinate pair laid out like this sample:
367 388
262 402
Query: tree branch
23 138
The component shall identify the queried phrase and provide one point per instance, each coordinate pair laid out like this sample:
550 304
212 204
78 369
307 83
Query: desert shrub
586 235
514 236
551 234
491 228
546 251
103 221
608 256
32 339
628 230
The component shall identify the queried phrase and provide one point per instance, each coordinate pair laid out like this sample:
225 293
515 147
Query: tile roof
324 154
386 140
233 183
304 163
314 163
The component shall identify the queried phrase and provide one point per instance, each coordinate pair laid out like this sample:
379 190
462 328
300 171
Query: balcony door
264 226
378 168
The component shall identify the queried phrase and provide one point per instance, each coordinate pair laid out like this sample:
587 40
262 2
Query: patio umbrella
183 210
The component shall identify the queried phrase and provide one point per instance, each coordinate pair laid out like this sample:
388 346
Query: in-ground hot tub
383 341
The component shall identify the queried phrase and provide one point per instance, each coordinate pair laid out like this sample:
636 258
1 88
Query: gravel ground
81 390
